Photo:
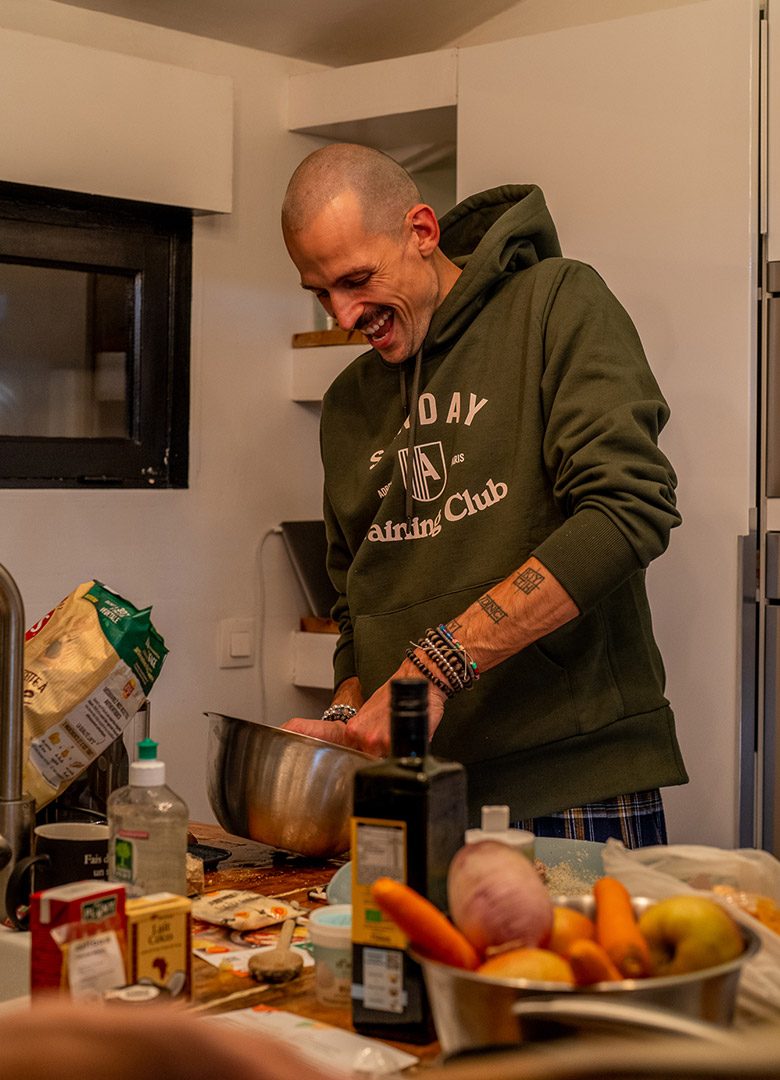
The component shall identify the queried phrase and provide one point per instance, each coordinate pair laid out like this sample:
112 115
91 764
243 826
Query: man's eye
356 283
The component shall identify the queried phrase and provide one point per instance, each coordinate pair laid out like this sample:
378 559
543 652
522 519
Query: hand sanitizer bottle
147 822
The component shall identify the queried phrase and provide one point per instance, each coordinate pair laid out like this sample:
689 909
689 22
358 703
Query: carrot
590 963
426 927
617 930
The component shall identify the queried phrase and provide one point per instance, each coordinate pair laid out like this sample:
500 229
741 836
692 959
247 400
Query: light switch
236 640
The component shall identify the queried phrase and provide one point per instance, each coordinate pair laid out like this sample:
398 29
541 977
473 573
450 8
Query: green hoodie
537 426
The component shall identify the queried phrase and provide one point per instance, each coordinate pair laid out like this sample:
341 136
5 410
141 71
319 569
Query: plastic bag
240 909
675 869
88 665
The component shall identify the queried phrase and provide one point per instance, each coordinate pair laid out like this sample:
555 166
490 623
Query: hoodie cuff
344 662
589 556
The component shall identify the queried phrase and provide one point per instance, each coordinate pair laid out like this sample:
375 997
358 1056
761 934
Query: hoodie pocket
580 648
381 639
557 688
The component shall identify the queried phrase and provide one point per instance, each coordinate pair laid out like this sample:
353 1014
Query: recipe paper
323 1045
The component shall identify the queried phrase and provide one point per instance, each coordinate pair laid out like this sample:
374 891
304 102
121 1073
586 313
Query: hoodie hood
489 236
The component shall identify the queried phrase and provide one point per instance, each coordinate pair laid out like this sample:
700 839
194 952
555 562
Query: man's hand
369 728
348 692
332 731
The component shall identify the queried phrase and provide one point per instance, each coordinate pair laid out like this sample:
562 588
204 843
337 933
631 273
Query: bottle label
383 980
123 861
378 850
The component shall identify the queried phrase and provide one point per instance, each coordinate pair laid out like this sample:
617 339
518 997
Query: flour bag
88 666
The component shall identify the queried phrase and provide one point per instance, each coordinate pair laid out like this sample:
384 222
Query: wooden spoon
281 963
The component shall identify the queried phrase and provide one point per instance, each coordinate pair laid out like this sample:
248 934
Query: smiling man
493 493
375 271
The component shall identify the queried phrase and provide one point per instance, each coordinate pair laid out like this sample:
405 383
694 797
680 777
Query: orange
540 965
569 926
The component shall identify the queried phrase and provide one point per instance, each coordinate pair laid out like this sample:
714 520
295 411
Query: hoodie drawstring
410 405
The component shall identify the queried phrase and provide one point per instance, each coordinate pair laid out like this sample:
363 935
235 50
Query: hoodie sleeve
603 413
339 560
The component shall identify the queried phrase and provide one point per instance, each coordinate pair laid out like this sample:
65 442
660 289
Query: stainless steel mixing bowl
281 788
472 1011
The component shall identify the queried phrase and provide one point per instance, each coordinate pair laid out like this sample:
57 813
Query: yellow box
159 942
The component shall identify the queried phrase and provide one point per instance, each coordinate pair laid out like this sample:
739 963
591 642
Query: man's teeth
376 326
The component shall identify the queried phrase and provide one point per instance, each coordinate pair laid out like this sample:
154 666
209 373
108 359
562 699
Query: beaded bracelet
450 656
339 712
445 688
441 661
469 660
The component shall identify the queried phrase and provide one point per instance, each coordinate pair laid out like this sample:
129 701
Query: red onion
495 896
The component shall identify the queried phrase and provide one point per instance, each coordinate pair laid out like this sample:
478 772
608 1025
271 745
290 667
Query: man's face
380 284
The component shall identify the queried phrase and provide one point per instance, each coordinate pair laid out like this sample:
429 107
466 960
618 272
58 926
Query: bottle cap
147 771
408 718
495 826
409 695
147 750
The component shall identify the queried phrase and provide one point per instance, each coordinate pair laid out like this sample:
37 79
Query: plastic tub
330 931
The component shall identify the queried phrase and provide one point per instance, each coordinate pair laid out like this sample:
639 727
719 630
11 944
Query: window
94 341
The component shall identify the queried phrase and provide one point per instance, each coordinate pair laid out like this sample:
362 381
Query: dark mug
65 851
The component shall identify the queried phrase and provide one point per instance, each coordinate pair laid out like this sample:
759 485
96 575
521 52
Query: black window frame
153 243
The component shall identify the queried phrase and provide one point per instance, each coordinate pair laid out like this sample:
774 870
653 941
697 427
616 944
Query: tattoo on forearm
528 580
454 625
493 610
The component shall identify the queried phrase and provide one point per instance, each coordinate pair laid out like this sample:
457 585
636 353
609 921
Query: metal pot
471 1011
280 788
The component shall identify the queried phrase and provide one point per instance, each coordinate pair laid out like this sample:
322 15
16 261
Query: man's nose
346 311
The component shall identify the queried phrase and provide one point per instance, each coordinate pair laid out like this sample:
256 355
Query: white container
330 931
495 826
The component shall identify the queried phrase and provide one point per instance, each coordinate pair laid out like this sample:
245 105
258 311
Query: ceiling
332 32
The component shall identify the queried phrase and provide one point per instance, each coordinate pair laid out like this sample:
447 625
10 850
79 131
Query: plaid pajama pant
636 819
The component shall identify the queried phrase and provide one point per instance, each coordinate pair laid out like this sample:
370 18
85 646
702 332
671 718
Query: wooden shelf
309 339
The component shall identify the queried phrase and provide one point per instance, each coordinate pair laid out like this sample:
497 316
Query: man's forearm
348 692
525 606
519 610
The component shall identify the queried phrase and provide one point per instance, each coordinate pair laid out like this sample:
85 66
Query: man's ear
425 228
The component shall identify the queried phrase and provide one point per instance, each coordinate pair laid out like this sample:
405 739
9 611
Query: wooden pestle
280 964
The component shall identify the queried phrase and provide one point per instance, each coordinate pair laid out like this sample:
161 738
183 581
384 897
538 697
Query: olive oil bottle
409 819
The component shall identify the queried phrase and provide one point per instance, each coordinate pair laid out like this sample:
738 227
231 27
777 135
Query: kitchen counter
290 877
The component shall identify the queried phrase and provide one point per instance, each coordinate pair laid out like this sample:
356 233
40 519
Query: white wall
195 555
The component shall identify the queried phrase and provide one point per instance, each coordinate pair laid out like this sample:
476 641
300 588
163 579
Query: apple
689 933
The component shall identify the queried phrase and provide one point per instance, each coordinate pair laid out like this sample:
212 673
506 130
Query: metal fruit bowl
281 788
472 1011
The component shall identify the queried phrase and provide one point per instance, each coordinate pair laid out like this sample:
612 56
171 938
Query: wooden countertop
290 877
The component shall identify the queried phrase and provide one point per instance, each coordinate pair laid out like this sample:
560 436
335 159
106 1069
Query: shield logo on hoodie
429 470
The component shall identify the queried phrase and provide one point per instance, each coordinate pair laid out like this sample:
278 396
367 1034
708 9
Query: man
493 493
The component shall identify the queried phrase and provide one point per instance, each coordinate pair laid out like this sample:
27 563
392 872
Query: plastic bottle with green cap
147 822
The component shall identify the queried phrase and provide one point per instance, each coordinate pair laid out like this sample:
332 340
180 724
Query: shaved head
385 191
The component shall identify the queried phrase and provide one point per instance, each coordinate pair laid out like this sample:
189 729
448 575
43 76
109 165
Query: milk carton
66 915
159 948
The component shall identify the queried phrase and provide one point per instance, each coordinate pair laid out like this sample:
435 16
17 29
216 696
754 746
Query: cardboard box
95 904
159 942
